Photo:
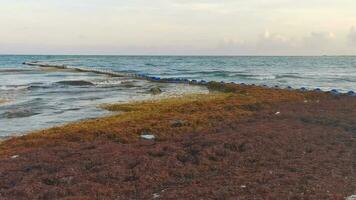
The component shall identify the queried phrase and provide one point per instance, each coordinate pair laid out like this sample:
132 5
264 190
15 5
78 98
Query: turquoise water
324 72
37 98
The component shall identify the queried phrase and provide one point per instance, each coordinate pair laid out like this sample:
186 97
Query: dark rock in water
128 84
76 83
179 123
155 90
18 113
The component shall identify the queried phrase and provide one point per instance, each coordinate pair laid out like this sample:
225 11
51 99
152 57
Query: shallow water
34 98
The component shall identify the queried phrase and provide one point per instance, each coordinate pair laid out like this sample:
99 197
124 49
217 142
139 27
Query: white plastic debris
155 195
353 197
277 113
148 137
14 156
243 186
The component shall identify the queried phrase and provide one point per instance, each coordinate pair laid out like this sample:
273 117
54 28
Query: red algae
244 142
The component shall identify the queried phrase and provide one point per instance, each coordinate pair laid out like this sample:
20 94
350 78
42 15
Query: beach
237 142
177 99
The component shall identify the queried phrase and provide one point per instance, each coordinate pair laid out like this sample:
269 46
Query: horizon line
184 55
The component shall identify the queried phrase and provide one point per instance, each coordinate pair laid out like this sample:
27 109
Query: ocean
32 98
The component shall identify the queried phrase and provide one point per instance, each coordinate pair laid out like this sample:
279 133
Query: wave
107 82
150 64
263 77
31 86
14 70
282 76
115 83
101 83
228 74
13 87
19 113
247 76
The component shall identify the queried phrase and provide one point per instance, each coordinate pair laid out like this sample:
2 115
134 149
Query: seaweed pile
238 142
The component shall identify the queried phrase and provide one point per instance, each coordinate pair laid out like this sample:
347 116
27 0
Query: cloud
168 26
318 39
275 43
266 44
320 43
352 36
274 38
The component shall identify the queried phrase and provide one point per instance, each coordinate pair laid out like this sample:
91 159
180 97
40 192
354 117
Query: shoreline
217 90
31 110
258 142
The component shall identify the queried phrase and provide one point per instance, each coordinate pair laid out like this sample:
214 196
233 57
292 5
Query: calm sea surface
32 98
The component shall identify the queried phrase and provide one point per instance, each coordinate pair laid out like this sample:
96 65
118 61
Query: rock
334 92
278 113
303 89
351 93
76 83
128 84
14 156
155 90
148 137
19 113
179 123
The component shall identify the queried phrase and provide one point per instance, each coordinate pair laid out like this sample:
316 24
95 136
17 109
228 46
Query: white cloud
352 36
318 39
200 26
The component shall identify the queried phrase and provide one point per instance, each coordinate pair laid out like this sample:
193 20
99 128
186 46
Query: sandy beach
238 142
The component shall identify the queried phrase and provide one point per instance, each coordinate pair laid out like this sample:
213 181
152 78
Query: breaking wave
283 76
13 87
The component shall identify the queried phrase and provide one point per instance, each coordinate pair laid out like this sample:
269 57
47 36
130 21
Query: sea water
32 98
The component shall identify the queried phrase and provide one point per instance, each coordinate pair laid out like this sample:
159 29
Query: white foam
13 87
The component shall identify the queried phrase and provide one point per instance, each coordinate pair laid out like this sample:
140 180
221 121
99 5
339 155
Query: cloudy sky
184 27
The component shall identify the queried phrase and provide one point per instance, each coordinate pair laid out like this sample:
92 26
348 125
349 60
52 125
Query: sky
178 27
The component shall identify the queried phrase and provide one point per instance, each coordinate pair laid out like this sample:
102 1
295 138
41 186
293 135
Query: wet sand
239 142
